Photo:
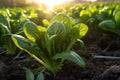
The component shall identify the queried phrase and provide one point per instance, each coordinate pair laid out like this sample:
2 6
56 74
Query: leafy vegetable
51 46
110 25
6 29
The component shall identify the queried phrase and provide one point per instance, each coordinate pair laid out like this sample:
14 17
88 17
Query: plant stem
37 59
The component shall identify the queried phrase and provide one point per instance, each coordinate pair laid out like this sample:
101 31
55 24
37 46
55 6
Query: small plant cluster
12 21
6 30
104 16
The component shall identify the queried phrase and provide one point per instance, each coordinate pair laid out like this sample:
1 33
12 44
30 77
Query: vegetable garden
75 42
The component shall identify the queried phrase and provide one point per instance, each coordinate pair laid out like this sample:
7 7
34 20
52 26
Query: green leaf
63 18
9 45
45 22
21 24
86 13
82 29
117 18
21 42
29 75
101 16
31 48
4 30
4 21
107 25
25 44
40 76
56 28
31 31
72 56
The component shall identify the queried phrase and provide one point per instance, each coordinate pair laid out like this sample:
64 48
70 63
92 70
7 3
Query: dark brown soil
96 68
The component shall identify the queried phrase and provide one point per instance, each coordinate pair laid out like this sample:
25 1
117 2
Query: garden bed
11 67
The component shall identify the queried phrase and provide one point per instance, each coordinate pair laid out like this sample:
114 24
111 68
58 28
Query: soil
97 44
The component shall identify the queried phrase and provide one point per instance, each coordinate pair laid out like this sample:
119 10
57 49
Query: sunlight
51 3
93 0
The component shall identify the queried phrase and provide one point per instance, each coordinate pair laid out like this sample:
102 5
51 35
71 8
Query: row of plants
104 16
49 40
50 45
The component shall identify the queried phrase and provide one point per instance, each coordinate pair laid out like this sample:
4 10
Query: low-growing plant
30 75
112 25
52 46
5 33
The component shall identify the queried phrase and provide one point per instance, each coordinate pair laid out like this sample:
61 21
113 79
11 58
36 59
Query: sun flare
51 3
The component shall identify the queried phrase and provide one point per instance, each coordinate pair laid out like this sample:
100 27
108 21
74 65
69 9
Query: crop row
48 38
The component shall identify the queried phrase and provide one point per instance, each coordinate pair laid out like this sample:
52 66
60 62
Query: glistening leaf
26 45
72 56
31 31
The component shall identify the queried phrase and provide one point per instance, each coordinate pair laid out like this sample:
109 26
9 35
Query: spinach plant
51 46
112 25
6 29
5 38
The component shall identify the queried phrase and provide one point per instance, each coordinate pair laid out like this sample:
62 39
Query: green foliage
107 25
30 75
4 20
117 18
6 29
112 25
72 56
5 38
51 46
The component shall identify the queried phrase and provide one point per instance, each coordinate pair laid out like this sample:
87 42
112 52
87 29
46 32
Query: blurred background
22 3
